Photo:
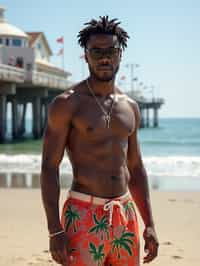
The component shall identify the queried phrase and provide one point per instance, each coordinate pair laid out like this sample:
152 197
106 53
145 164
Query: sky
164 42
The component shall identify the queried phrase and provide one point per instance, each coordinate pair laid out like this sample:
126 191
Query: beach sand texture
24 237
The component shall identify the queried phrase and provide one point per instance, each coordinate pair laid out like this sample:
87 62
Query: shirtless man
97 125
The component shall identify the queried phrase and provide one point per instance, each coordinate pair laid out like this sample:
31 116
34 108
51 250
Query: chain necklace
107 115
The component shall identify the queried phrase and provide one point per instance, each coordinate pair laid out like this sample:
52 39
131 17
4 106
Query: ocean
171 155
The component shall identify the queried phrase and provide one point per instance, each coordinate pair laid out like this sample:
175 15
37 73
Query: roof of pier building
38 36
37 41
7 29
43 63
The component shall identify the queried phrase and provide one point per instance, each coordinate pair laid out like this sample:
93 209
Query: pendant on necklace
107 118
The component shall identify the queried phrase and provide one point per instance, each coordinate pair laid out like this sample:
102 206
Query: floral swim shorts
101 231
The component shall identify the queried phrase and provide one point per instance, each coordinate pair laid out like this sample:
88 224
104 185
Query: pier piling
37 120
2 117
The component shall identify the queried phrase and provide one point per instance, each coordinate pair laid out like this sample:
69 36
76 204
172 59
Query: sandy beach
24 240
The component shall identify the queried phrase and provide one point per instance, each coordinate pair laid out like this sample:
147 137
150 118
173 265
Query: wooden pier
27 76
39 92
145 108
146 105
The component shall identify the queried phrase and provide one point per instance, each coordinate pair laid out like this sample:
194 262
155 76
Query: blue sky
164 41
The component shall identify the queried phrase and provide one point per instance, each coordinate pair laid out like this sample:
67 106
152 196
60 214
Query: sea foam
177 166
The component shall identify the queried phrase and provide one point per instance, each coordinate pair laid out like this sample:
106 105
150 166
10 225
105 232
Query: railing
12 74
18 75
141 98
136 97
49 80
155 100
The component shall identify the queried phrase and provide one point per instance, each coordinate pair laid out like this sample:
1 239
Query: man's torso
98 154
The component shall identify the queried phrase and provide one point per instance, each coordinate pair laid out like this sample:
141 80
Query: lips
105 68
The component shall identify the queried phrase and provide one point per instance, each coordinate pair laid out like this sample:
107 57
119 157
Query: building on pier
26 76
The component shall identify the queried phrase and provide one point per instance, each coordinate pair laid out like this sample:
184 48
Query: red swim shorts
101 231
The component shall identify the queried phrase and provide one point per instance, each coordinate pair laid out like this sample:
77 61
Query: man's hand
58 249
151 244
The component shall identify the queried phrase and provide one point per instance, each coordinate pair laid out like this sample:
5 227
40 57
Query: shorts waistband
97 200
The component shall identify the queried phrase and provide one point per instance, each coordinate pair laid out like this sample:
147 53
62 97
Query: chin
104 77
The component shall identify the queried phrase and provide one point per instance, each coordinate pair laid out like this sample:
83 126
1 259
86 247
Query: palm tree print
101 226
71 216
123 242
129 206
97 253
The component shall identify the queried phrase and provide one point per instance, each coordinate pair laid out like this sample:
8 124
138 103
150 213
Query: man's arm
54 143
138 186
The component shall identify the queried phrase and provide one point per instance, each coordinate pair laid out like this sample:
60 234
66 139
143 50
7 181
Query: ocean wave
183 166
170 142
23 163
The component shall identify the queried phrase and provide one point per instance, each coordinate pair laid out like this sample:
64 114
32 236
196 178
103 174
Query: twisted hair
103 26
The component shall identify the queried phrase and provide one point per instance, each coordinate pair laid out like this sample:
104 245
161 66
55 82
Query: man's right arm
54 143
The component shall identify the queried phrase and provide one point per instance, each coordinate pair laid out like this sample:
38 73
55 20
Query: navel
90 128
114 177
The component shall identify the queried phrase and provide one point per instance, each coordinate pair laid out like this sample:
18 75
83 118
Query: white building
31 52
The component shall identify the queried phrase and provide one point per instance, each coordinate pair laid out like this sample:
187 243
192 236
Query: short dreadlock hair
103 26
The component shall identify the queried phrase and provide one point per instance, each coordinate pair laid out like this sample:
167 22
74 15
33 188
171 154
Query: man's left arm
138 186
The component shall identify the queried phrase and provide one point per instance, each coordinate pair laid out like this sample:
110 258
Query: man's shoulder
74 90
123 96
65 104
132 103
68 99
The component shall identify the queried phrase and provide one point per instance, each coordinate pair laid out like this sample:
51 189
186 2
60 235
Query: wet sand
24 236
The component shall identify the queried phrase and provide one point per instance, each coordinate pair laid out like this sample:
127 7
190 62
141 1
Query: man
97 125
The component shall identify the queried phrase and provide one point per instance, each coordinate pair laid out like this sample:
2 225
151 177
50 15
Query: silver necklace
107 115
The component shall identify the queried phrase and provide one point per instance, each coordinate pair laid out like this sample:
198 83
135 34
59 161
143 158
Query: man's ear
120 54
85 56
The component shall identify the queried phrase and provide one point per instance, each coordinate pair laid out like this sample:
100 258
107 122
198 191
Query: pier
39 93
146 105
14 89
27 78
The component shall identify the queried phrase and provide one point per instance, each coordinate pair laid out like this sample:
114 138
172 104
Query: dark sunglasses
98 53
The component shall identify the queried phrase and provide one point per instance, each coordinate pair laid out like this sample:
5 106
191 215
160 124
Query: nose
104 60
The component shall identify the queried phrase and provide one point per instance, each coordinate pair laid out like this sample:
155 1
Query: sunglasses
98 53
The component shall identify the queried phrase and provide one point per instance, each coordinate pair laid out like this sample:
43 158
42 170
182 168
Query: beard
105 76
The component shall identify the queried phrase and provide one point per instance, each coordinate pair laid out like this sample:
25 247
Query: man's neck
101 88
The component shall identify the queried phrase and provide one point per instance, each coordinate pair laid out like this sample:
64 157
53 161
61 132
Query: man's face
103 55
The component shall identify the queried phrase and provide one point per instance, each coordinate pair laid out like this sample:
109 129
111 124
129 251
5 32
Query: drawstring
109 207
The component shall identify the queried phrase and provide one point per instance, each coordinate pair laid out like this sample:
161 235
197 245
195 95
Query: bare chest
97 121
